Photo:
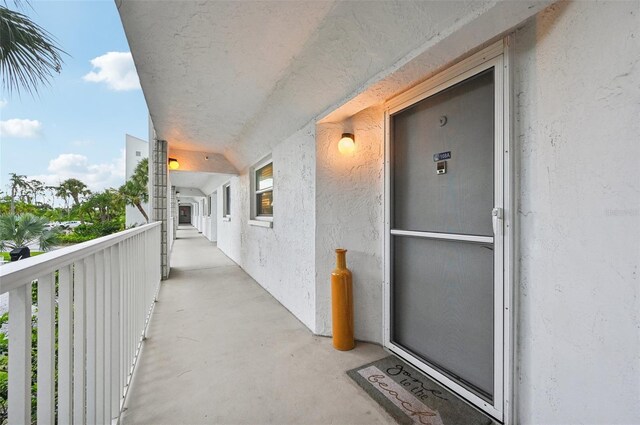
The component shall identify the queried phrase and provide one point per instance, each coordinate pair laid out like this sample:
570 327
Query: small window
138 153
263 194
226 200
209 204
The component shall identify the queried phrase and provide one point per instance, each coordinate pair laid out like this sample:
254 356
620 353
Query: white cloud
25 129
116 69
96 176
3 103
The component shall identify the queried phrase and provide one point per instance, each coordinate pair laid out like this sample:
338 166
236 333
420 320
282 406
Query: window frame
226 201
255 219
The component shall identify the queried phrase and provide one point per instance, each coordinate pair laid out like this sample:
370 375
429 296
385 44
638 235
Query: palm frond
28 54
49 238
23 230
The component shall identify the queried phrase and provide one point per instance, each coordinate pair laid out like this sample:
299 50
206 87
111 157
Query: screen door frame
495 56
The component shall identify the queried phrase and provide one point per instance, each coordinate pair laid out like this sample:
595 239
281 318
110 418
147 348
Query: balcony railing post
46 348
91 338
65 345
107 380
20 355
99 375
116 279
79 311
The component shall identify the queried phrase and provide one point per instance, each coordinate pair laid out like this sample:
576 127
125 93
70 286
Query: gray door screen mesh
442 290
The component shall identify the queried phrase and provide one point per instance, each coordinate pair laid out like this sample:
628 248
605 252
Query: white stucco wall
577 95
281 258
132 146
349 214
213 229
577 132
229 231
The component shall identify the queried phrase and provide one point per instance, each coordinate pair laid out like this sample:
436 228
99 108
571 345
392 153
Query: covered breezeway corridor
220 349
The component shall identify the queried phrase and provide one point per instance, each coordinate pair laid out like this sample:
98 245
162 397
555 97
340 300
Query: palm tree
135 191
105 204
18 184
37 188
75 189
28 54
62 192
50 194
22 230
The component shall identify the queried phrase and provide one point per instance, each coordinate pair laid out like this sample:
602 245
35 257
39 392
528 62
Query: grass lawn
7 257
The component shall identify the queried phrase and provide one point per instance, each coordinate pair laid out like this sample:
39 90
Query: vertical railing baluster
125 300
65 345
145 285
116 387
79 331
132 309
123 317
136 295
104 304
147 294
46 349
99 335
140 286
91 339
131 323
20 355
106 386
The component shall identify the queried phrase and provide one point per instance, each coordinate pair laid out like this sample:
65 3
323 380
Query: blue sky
76 126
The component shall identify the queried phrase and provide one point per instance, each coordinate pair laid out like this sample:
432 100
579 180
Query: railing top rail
16 274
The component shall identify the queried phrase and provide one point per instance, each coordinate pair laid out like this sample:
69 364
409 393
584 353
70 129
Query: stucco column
159 191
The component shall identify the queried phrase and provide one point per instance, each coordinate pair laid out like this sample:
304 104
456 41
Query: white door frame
495 56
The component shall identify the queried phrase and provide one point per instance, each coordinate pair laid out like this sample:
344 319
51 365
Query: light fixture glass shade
347 144
173 164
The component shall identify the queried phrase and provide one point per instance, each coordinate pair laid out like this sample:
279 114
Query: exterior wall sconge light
347 144
173 164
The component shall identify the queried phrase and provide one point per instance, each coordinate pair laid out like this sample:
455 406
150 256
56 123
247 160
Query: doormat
412 398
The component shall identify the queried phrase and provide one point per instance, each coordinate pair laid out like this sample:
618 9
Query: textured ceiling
238 77
206 182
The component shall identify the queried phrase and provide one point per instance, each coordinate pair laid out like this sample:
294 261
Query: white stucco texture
280 258
201 162
577 130
349 214
329 69
211 85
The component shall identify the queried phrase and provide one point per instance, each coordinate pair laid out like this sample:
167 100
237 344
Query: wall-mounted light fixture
173 164
347 144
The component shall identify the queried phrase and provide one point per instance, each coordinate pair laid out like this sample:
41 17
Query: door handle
496 214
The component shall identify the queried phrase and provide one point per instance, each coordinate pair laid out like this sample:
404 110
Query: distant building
135 151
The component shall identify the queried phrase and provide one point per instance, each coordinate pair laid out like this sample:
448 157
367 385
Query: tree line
101 213
35 192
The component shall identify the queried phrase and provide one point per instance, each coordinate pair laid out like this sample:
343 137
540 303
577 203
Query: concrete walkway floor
222 350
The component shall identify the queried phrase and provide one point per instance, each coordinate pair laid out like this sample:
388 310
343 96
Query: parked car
70 224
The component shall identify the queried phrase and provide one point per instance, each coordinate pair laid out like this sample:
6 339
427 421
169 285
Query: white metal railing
106 293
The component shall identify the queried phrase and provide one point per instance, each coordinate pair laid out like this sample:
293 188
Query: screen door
441 239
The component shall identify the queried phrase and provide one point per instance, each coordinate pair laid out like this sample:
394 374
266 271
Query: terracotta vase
342 303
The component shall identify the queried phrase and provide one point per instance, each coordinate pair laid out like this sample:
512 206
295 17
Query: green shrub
87 232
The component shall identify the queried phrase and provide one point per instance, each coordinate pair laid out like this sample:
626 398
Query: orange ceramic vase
342 304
